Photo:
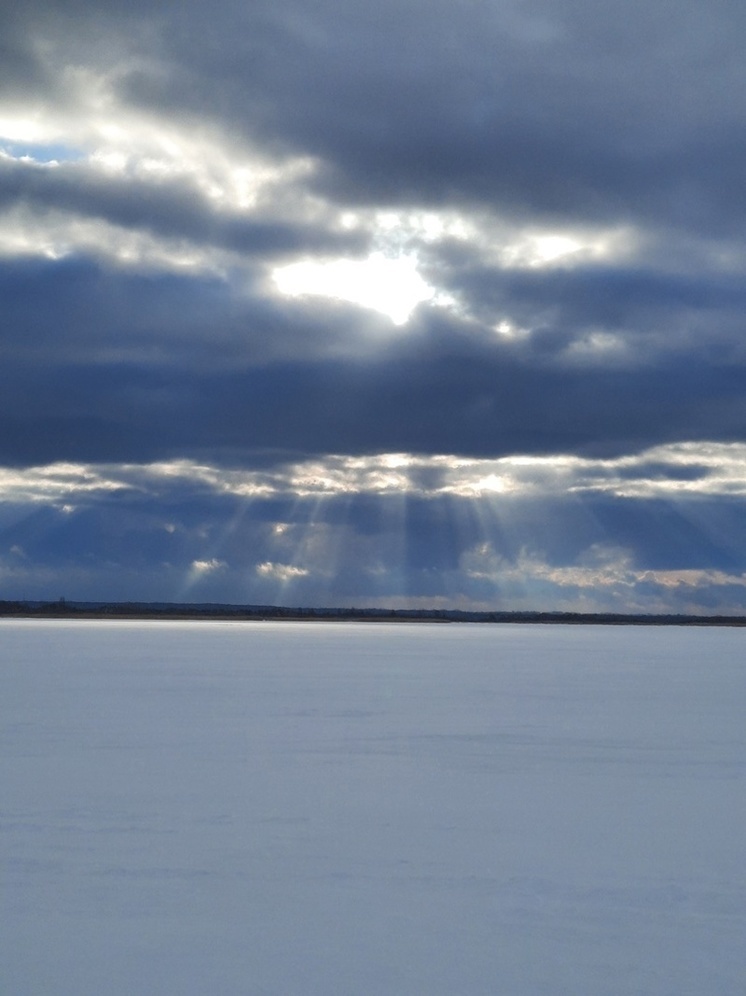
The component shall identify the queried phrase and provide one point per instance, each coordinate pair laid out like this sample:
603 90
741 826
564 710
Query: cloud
516 532
164 201
221 381
281 572
680 472
375 288
583 553
208 566
567 111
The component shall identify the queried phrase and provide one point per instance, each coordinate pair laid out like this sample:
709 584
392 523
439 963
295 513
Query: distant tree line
62 608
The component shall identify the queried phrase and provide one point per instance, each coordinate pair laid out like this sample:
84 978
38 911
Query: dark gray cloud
564 109
102 365
649 311
569 110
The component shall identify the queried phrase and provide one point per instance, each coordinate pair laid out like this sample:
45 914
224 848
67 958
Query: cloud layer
521 229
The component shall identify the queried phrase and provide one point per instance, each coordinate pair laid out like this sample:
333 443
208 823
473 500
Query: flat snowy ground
359 809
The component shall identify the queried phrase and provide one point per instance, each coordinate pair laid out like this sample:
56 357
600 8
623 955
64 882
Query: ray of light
214 558
298 542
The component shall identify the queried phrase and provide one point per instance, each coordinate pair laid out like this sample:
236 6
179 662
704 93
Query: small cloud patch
281 572
208 566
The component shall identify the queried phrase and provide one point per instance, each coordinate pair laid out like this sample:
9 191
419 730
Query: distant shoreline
183 612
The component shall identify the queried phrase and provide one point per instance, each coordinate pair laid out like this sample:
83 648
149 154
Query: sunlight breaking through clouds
398 529
113 148
389 284
536 248
363 292
691 469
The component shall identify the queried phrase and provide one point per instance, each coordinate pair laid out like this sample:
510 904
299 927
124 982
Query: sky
400 304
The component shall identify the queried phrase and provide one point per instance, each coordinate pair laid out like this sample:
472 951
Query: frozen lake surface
371 810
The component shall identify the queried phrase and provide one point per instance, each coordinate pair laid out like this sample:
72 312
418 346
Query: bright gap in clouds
548 248
391 285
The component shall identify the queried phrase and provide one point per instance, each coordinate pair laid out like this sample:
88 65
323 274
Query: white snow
192 809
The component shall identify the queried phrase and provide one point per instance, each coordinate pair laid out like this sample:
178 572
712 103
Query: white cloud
208 566
281 572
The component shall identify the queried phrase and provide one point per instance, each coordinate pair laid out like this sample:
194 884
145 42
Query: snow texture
373 809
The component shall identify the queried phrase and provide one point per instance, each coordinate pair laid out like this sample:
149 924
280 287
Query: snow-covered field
220 809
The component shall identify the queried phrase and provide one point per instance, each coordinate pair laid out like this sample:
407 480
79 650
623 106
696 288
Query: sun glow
550 247
539 249
391 285
24 129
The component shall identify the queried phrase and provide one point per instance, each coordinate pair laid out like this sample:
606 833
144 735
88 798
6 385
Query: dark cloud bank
140 322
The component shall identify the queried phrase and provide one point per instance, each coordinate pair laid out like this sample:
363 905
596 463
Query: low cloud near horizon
412 304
